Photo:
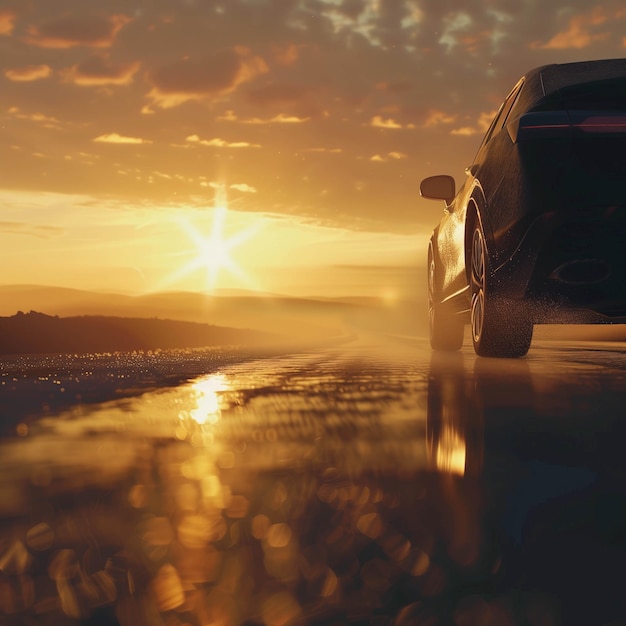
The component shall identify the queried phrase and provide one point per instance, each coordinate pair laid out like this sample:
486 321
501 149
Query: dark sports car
537 232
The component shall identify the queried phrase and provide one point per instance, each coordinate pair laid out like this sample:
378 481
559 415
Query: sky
271 145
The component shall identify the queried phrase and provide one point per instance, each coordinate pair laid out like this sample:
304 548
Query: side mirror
438 188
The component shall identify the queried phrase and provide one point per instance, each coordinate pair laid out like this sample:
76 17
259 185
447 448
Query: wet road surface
369 483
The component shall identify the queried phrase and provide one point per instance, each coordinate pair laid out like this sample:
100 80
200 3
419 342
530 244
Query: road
368 483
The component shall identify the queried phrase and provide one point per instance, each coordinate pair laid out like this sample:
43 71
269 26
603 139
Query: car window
505 109
501 116
510 103
496 119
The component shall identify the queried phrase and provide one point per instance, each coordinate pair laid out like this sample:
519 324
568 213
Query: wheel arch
472 218
433 249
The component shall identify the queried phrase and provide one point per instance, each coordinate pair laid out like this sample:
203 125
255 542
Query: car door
498 171
451 233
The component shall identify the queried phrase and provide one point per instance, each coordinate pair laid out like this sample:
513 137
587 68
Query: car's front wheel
499 328
446 328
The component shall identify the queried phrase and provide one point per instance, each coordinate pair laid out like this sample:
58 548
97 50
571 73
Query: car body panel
548 187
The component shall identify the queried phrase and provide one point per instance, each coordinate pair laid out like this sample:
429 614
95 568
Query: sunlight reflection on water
239 497
206 395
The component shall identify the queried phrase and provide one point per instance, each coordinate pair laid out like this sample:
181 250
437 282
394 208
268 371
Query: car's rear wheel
499 328
446 329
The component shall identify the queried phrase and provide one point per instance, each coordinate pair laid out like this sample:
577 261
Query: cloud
199 79
162 175
220 143
465 131
21 228
117 138
229 116
325 150
435 118
485 119
320 89
242 187
379 122
579 32
281 118
28 73
46 120
72 30
393 156
453 23
99 70
286 55
482 124
7 21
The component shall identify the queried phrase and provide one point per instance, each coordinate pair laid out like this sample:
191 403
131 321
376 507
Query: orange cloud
281 118
72 30
28 73
325 150
379 122
465 131
46 120
286 55
243 187
7 21
117 138
220 143
485 119
98 70
473 43
482 124
579 31
229 116
435 118
198 79
395 156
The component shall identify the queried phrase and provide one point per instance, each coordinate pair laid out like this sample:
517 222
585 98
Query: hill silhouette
37 333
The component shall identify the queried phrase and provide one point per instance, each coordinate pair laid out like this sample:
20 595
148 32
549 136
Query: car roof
558 75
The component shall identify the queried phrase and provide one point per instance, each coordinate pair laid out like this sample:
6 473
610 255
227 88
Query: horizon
300 318
222 292
141 155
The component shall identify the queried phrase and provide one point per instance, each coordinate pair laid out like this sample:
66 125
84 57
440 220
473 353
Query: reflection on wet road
373 483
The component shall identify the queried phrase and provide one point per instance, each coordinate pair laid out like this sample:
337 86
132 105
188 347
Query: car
537 231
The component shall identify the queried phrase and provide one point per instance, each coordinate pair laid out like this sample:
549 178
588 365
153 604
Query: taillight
594 122
562 124
540 125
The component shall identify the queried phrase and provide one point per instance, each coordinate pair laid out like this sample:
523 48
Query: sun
213 254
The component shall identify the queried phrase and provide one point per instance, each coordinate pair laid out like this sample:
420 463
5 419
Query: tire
445 328
499 327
